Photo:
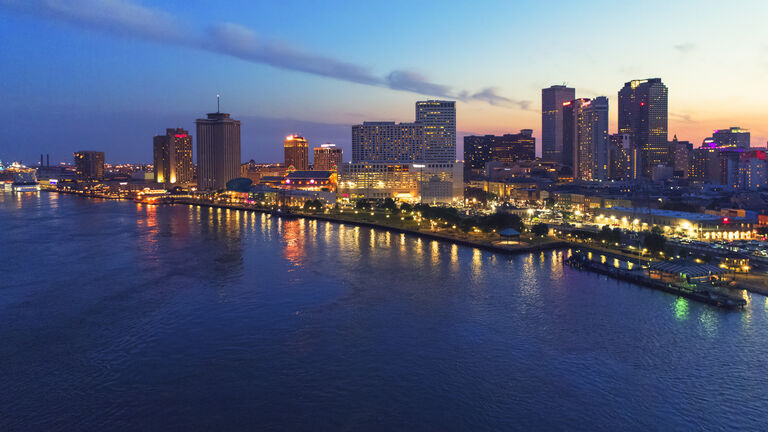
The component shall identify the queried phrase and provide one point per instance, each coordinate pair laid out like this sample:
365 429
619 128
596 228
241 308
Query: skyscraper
478 150
173 157
439 121
592 153
89 165
624 158
328 157
552 100
218 151
680 156
644 115
388 142
296 150
570 131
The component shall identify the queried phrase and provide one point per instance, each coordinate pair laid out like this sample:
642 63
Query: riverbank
489 242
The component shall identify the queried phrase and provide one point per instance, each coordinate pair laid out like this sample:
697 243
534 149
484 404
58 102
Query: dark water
115 315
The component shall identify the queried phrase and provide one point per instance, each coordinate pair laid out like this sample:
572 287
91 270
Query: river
118 315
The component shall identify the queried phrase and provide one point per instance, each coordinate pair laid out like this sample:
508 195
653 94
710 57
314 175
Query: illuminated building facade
571 113
428 182
173 157
438 118
296 149
552 100
733 137
643 113
89 165
624 158
478 151
753 170
510 148
218 151
310 180
695 225
328 157
388 142
680 155
591 148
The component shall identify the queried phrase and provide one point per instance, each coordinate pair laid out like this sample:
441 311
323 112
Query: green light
681 308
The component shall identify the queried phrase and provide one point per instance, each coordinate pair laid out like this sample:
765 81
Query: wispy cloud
682 117
686 47
130 19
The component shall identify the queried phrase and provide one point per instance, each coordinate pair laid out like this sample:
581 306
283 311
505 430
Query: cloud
682 117
130 19
686 47
490 95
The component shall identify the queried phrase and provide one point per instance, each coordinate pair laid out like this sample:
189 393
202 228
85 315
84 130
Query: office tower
439 121
218 151
591 145
296 150
734 137
753 170
173 157
623 157
388 142
680 155
328 157
643 114
571 113
478 151
510 148
552 100
89 165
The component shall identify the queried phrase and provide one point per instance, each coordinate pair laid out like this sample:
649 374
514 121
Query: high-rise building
510 148
89 165
173 157
388 142
624 158
680 156
733 137
643 114
438 117
753 170
296 150
328 157
552 100
571 113
218 151
478 151
592 152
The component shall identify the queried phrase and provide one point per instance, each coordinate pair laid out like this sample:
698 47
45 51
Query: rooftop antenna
218 103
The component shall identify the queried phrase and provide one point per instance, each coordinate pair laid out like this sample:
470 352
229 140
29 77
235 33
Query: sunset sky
108 75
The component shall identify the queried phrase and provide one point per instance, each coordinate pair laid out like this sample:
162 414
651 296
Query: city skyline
63 64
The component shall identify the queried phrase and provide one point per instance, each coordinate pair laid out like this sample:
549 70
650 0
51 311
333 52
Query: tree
362 204
405 207
540 229
654 241
389 204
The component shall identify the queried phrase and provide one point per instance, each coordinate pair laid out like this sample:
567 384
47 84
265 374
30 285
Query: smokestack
41 159
48 160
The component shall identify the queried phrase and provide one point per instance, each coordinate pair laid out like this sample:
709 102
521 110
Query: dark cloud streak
129 19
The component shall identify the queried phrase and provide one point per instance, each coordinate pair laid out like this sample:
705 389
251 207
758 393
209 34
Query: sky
110 74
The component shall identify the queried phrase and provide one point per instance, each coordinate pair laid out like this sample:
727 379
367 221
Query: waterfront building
733 138
426 182
552 100
173 157
438 118
643 113
327 157
296 149
695 225
388 142
89 165
218 151
310 180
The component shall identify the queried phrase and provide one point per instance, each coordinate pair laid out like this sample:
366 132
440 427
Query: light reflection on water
276 318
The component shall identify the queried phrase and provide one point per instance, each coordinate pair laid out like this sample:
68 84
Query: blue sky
111 74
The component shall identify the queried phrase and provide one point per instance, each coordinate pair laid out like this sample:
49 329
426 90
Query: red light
642 103
726 220
180 136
